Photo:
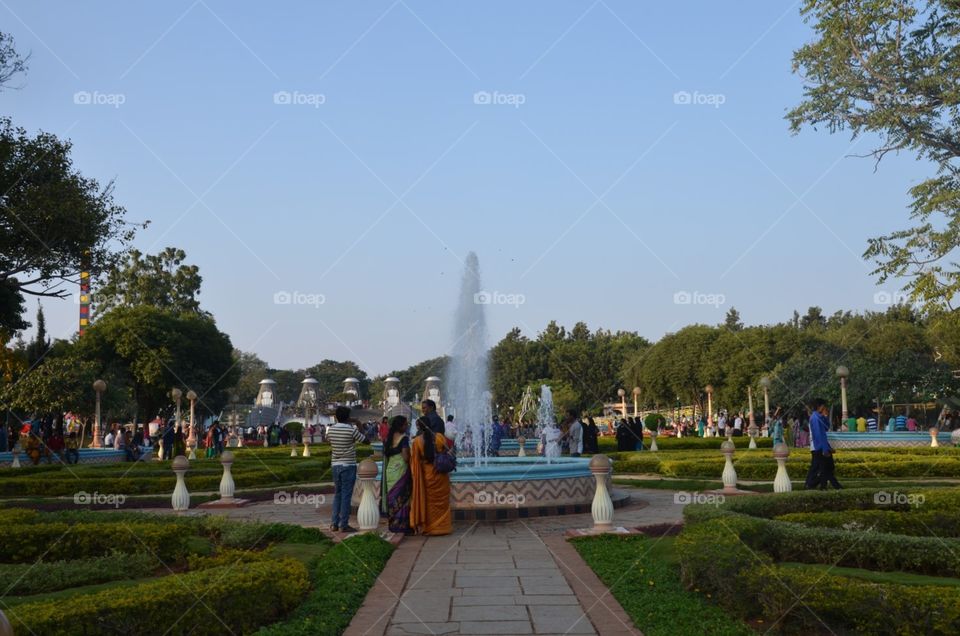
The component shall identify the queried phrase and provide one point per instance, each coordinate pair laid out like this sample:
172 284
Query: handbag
444 463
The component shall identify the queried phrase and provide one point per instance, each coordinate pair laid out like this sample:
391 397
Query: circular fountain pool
509 487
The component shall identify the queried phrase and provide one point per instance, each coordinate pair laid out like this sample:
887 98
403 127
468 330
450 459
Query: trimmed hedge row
236 599
341 580
57 541
761 466
23 579
730 552
915 524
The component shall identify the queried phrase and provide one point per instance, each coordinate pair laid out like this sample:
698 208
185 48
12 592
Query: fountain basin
521 487
508 447
884 439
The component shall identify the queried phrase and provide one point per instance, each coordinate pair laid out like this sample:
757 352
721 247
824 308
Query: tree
331 373
11 62
889 68
814 319
40 344
252 370
152 350
52 220
161 280
732 321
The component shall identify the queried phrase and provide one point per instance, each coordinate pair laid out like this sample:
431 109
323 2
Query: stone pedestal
227 487
306 449
653 441
521 443
729 473
933 437
293 449
16 458
781 482
752 432
181 498
368 514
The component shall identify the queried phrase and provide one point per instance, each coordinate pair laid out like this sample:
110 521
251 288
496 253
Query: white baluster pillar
368 514
729 473
602 508
781 482
181 498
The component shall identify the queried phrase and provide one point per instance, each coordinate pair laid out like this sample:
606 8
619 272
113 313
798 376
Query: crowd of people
415 484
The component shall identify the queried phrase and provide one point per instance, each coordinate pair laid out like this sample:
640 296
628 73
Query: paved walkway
488 579
508 577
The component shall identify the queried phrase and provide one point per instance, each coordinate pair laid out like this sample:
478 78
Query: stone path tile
510 577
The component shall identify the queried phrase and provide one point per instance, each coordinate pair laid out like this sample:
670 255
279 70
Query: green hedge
23 579
857 605
341 580
729 551
937 523
236 599
56 541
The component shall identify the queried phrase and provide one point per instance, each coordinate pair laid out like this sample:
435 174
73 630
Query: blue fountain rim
517 469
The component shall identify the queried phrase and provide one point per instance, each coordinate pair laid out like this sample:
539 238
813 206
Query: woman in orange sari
430 504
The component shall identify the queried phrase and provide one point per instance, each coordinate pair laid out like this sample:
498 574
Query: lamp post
636 395
99 387
176 394
752 427
192 436
709 390
843 372
765 383
623 401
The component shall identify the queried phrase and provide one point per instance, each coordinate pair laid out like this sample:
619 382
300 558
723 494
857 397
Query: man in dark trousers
429 409
821 455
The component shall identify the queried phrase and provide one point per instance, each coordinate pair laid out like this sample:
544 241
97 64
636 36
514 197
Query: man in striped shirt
343 437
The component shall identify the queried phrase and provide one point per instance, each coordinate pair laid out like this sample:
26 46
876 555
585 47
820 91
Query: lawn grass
303 552
898 578
643 575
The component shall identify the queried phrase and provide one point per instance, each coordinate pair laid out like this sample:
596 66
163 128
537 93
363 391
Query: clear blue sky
373 197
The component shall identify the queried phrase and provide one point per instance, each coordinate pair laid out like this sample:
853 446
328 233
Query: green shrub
935 523
341 580
846 604
26 543
236 599
23 579
729 550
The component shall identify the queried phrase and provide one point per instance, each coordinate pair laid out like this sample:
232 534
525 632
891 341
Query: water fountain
469 368
486 487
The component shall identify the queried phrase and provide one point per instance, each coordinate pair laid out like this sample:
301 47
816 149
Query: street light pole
192 436
843 372
99 386
636 395
709 390
765 383
176 394
623 402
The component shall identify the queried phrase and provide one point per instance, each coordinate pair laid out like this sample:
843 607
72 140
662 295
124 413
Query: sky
329 165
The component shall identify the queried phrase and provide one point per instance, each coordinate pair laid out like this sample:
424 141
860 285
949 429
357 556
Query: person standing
429 410
738 425
821 455
430 503
722 424
396 485
591 436
496 437
575 433
343 437
861 424
167 441
384 429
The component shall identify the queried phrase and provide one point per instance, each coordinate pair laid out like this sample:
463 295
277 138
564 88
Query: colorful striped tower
84 301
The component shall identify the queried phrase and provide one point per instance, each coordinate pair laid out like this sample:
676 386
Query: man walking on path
343 437
821 455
